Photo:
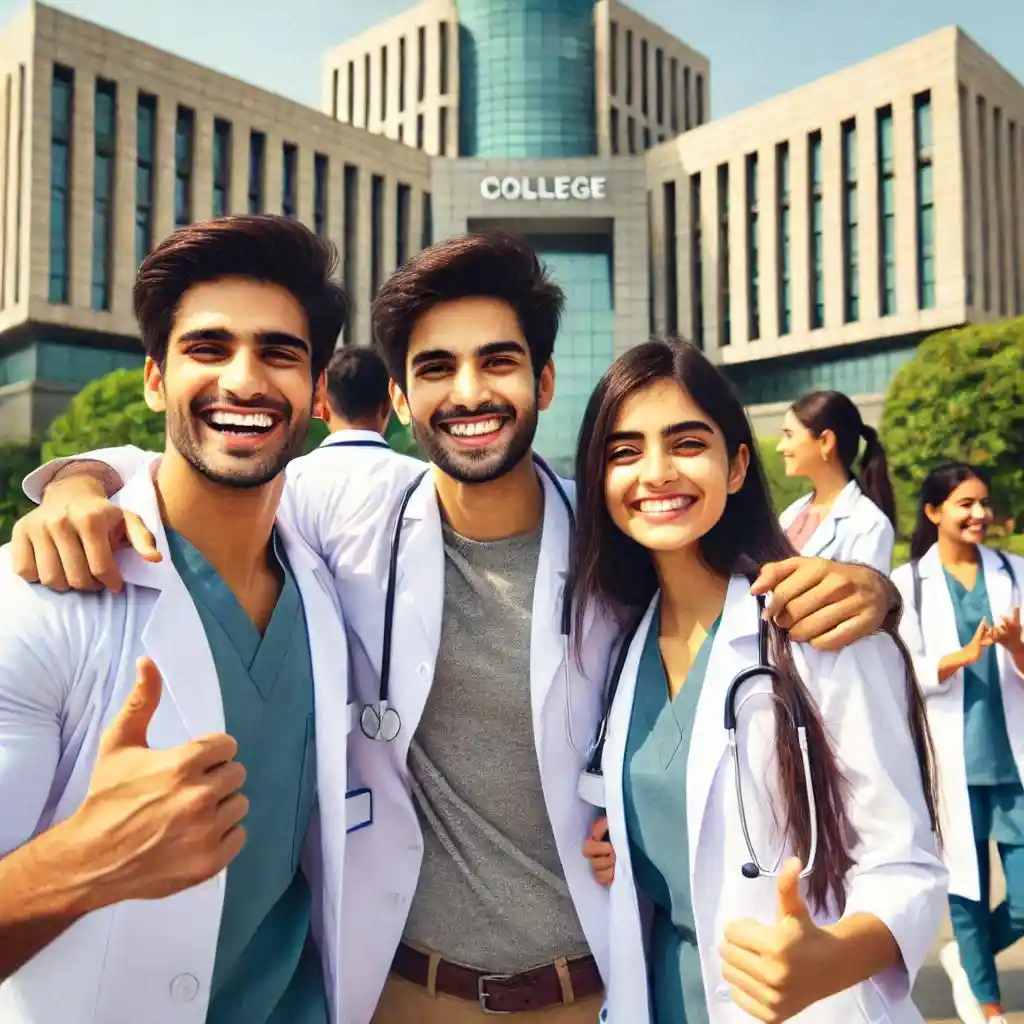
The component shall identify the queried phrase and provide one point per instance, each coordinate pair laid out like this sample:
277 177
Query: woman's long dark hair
938 485
832 410
612 570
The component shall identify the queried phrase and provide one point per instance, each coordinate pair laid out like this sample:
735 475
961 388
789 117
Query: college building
809 241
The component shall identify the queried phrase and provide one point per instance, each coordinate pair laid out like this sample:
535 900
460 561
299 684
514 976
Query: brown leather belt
536 989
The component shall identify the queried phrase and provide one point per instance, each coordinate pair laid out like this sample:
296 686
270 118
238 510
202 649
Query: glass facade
785 284
886 214
527 78
59 363
184 140
851 232
105 153
221 167
925 202
62 104
145 174
816 260
753 253
782 380
582 265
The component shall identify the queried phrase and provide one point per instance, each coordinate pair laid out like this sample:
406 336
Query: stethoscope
379 720
591 784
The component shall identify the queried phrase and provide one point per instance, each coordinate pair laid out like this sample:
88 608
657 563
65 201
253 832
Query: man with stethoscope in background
470 894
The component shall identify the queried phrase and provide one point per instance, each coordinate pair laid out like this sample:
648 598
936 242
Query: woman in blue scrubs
961 623
672 510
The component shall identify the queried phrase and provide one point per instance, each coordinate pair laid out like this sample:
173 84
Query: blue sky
757 48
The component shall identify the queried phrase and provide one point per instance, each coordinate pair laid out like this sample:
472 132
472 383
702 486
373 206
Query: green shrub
16 461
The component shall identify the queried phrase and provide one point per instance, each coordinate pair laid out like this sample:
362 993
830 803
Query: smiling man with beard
140 729
471 893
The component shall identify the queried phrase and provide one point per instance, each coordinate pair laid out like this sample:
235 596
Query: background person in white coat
671 502
850 515
471 888
961 621
121 714
354 401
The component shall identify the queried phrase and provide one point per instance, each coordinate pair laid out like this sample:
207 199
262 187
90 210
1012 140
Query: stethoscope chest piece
380 722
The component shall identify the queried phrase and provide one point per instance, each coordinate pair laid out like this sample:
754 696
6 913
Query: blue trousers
981 933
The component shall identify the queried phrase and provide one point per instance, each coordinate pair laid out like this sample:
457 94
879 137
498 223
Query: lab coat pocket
307 792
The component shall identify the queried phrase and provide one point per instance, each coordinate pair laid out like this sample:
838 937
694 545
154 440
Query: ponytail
874 473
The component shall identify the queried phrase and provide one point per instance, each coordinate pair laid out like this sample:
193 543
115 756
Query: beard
485 464
243 470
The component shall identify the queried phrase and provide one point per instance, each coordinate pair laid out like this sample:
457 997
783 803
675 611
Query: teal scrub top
987 748
267 970
654 791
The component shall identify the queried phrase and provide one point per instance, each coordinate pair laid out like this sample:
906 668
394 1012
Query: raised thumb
790 900
130 726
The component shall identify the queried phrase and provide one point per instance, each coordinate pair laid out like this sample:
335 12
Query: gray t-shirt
491 893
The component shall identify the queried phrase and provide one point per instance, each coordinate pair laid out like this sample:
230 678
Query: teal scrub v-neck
654 789
267 970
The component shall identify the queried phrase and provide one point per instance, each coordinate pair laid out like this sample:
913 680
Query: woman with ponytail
848 516
961 622
674 520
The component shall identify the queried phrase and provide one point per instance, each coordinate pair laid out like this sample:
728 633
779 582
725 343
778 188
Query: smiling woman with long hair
674 516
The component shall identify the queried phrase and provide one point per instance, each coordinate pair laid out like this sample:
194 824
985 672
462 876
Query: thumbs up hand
774 972
155 822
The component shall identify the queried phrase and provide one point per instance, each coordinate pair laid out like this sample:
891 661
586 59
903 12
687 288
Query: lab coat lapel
547 645
174 637
735 648
824 536
997 584
419 603
938 617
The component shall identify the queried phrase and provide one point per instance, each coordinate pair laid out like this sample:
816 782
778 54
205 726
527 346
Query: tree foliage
784 489
16 462
961 397
106 412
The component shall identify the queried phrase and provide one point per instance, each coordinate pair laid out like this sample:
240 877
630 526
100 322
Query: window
145 163
647 139
613 59
687 124
443 59
659 85
851 232
19 158
427 222
1016 256
925 202
321 179
419 131
986 281
724 297
673 94
886 213
782 231
366 92
383 83
351 92
3 205
334 94
700 98
62 103
350 213
184 137
613 130
289 173
221 167
257 150
403 199
965 160
753 255
671 260
629 67
421 65
696 263
997 159
104 160
816 248
401 75
643 78
376 233
631 136
442 131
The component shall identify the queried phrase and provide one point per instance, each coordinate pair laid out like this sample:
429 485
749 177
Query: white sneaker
968 1009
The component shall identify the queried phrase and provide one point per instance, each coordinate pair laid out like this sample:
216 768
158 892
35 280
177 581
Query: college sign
558 187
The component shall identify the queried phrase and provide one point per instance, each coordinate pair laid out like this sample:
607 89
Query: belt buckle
482 996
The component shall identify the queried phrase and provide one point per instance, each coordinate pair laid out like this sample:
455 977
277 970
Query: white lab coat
945 701
67 664
350 523
899 877
855 530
